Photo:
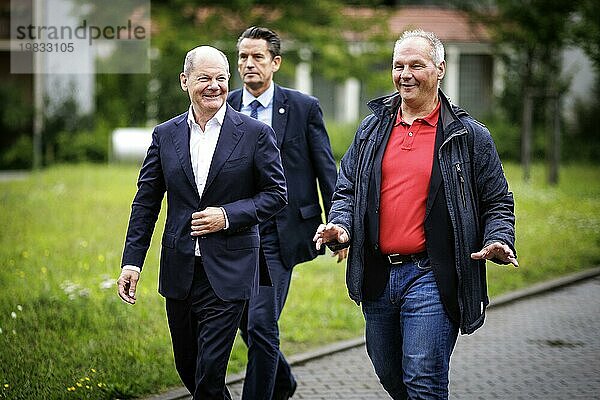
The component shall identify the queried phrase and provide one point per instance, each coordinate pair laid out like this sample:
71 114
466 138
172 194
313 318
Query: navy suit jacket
307 158
245 178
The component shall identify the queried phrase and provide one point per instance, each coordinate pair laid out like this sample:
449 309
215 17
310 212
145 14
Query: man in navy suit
286 239
223 176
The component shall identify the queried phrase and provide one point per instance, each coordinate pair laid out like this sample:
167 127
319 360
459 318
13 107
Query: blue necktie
254 105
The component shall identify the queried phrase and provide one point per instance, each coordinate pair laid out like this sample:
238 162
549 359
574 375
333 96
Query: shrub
19 155
82 146
341 136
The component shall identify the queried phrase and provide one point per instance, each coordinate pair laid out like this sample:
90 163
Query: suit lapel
181 140
228 139
280 114
235 100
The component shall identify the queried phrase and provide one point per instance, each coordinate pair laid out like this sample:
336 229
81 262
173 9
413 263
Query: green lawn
66 335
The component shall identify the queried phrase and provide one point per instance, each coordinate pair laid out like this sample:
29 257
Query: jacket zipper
462 185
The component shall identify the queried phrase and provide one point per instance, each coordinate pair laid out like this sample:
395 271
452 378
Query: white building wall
79 83
579 69
303 78
348 101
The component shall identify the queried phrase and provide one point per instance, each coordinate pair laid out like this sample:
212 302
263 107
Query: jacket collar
385 105
389 104
280 110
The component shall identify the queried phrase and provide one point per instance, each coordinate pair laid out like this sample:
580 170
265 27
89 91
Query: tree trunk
554 142
526 133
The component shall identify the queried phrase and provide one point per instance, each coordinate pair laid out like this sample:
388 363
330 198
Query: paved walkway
542 346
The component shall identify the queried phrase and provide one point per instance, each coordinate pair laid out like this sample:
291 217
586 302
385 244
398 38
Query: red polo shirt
405 175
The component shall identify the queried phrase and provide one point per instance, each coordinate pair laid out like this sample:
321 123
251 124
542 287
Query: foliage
15 125
318 32
528 37
19 155
121 99
585 29
506 135
62 327
582 141
340 136
82 146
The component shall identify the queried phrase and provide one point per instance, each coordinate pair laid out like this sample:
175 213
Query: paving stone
545 346
541 347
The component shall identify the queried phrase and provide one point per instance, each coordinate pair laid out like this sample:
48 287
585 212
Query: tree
320 32
529 36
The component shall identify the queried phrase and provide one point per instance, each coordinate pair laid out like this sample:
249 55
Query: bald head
203 53
205 77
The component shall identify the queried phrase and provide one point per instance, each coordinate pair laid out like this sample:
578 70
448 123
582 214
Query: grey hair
437 48
188 63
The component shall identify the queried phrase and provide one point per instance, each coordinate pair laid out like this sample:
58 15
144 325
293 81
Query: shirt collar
431 119
218 117
264 99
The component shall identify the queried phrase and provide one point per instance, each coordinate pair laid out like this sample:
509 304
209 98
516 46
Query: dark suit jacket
307 158
245 178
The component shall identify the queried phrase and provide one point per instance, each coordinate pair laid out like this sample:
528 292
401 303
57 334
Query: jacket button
377 210
376 246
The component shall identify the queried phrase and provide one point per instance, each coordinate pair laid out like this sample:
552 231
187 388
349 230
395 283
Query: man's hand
330 233
496 250
341 254
209 220
127 284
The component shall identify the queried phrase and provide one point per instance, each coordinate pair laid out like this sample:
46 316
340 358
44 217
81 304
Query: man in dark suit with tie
286 239
223 176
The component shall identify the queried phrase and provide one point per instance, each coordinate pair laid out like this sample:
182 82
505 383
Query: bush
16 116
19 155
341 136
82 146
581 141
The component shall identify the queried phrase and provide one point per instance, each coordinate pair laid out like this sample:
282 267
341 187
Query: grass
66 335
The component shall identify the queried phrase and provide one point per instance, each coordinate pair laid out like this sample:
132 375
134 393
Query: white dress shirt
202 149
265 113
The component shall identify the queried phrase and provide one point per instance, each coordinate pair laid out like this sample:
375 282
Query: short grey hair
437 48
190 57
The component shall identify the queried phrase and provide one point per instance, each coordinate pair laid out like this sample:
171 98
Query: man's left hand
209 220
496 250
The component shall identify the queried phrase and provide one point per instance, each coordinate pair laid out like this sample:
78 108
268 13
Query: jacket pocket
168 240
461 184
234 163
310 211
242 242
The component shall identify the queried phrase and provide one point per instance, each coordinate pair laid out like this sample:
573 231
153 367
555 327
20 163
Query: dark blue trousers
203 329
267 371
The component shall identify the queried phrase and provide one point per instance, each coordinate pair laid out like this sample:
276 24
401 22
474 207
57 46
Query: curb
544 287
16 175
500 301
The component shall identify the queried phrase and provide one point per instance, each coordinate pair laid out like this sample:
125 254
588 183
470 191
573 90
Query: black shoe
285 394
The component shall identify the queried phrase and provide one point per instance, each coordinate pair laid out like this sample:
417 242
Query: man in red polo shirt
422 201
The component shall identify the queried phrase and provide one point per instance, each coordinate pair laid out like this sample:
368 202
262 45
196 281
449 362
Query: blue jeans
409 336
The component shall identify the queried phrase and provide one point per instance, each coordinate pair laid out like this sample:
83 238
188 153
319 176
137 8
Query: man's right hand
330 233
127 284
